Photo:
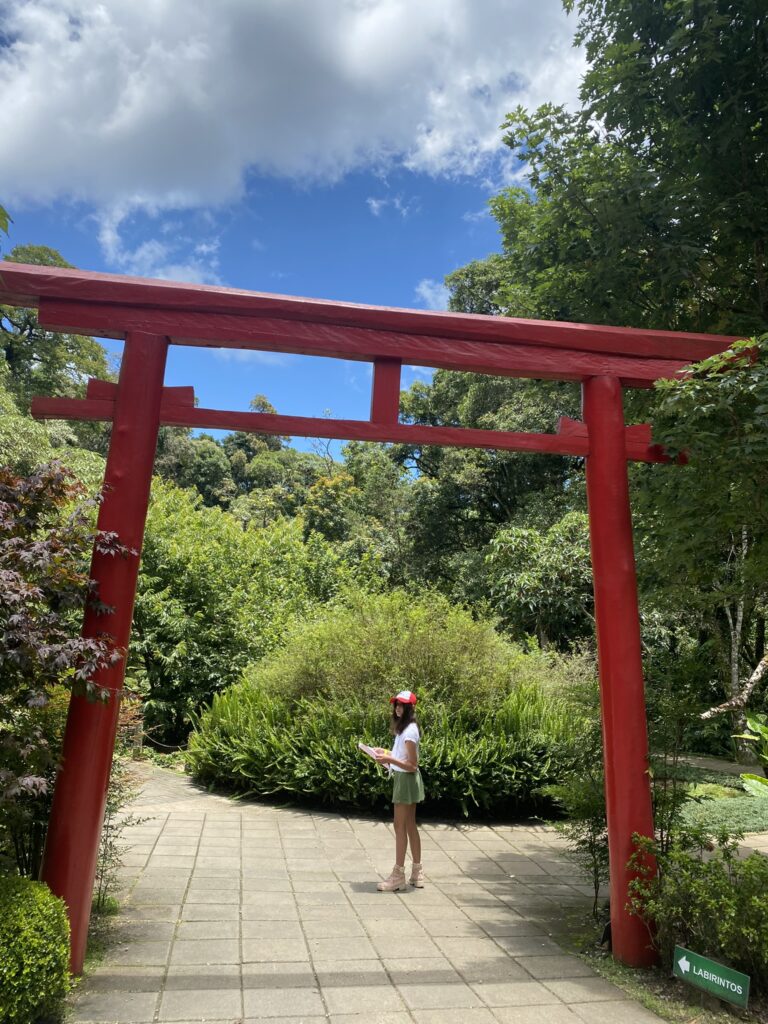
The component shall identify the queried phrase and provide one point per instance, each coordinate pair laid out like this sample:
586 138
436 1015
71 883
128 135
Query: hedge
34 951
475 760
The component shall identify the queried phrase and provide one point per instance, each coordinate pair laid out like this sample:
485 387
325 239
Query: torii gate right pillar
625 735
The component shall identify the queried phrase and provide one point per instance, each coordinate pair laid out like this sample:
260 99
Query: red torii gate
150 315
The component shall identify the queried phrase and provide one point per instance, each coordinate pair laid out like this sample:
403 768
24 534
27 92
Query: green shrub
496 726
474 759
34 951
708 900
369 646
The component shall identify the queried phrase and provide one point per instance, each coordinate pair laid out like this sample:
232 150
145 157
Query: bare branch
741 698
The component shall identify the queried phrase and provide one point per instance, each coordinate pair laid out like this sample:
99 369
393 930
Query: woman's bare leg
401 832
414 839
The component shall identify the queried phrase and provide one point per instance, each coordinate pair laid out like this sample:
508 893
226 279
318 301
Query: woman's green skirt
407 788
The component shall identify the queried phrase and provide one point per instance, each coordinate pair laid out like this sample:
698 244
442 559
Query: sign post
711 977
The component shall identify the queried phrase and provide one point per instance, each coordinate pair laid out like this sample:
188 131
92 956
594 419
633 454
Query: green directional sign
711 976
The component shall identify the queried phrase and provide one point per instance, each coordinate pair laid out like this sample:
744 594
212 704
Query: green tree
461 497
212 597
45 362
541 583
197 462
646 206
708 525
331 507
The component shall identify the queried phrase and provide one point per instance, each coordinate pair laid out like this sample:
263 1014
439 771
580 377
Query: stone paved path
240 912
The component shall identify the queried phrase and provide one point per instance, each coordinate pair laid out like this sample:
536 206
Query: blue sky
340 149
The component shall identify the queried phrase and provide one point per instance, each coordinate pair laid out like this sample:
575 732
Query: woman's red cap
404 697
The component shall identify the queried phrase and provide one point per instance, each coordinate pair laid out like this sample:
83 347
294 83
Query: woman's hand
382 756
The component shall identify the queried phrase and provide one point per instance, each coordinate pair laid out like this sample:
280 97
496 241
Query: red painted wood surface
385 392
225 330
81 787
22 284
625 738
571 441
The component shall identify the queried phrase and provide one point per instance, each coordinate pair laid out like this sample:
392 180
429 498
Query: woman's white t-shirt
410 732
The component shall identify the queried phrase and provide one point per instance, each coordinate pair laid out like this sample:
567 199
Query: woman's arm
411 761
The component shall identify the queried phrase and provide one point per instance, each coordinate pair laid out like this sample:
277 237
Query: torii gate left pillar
72 843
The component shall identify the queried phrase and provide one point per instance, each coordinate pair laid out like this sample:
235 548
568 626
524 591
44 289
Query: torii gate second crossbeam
150 315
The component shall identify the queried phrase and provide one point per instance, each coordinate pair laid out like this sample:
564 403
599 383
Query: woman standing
407 790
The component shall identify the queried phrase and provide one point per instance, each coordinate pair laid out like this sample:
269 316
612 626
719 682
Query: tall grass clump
496 727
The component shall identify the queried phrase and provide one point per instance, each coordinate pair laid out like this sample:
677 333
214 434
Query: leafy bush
474 759
367 646
495 726
34 951
212 597
706 899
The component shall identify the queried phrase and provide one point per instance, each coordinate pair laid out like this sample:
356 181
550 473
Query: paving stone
282 1020
362 998
113 978
145 896
495 969
267 912
289 950
283 1002
514 993
622 1011
584 990
212 895
334 928
208 951
127 931
529 945
392 946
422 971
183 977
208 930
201 1004
464 947
210 912
279 975
272 929
126 1007
200 879
349 973
341 949
431 997
140 953
466 1015
549 1014
259 883
555 966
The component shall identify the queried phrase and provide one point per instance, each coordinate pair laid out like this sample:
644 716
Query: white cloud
173 257
432 294
253 355
376 205
168 105
405 207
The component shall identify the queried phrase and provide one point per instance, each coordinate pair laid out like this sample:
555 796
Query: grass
670 999
175 760
735 814
718 801
653 988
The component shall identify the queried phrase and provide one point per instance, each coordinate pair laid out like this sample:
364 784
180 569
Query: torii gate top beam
110 306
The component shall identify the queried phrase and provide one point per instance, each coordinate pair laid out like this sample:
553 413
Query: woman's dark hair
397 725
